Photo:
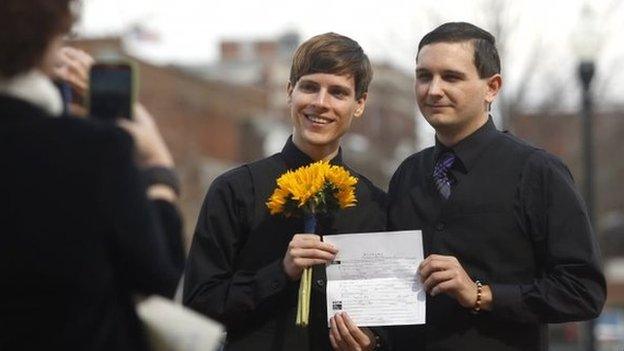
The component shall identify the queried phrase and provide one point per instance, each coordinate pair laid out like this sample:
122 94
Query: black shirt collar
296 158
470 148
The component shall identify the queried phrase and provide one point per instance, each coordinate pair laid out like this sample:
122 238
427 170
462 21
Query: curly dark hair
26 29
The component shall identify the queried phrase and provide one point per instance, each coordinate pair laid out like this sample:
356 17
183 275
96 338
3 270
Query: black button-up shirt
515 221
234 272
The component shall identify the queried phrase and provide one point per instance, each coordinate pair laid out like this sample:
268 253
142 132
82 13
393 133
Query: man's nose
435 87
321 98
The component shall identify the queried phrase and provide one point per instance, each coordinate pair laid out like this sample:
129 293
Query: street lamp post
586 73
587 41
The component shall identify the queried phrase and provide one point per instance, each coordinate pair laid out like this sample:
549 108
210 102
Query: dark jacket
78 235
234 272
514 221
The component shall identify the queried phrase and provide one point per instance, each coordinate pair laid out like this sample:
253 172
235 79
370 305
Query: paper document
173 327
374 279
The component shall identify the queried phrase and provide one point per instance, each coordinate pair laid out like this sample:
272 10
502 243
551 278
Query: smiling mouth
317 119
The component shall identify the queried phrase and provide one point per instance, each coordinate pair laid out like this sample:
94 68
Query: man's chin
439 120
317 139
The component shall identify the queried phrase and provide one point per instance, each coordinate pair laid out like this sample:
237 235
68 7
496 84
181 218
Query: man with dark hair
507 239
245 265
485 57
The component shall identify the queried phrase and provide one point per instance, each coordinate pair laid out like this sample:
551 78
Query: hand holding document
374 278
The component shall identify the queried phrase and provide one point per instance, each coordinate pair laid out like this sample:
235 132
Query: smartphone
112 90
66 95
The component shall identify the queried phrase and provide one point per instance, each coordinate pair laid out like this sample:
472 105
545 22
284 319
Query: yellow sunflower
312 188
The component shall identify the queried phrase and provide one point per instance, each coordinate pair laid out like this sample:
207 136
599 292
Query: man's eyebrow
454 72
304 80
341 87
444 72
332 86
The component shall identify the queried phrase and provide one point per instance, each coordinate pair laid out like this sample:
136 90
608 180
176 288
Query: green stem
299 305
305 318
303 303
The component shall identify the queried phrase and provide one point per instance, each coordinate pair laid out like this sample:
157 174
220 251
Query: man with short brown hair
244 265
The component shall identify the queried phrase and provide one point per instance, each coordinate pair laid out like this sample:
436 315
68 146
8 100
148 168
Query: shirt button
320 282
439 226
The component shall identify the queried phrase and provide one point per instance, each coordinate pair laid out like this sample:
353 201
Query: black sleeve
571 286
396 191
171 222
213 284
146 235
395 179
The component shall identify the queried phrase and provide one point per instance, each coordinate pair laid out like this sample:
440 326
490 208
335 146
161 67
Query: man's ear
494 84
289 90
361 105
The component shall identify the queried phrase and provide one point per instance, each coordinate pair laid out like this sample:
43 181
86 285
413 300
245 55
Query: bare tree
544 72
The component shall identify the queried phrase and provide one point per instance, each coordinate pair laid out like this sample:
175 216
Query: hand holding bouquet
318 188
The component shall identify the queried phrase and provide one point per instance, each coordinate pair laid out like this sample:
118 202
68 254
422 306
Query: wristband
162 175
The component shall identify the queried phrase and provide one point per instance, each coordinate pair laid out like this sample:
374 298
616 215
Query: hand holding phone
71 75
150 145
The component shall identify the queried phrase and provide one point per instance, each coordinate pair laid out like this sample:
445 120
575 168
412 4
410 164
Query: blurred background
214 74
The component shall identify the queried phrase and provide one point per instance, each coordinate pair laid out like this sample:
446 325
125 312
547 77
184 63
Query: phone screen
110 89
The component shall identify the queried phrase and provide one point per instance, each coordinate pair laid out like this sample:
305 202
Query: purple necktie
441 176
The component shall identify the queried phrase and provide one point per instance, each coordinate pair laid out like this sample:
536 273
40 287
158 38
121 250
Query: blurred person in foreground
508 243
245 265
82 228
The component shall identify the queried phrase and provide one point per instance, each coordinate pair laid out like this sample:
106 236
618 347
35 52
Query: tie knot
441 176
445 162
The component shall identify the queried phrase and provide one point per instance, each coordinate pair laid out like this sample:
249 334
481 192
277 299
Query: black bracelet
378 344
162 175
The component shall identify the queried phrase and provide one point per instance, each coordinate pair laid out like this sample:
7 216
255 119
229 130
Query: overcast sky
189 31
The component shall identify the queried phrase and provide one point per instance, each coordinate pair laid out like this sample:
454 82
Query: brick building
561 135
376 143
203 121
220 115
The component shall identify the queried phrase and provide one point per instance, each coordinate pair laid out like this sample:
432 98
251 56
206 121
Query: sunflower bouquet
318 188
